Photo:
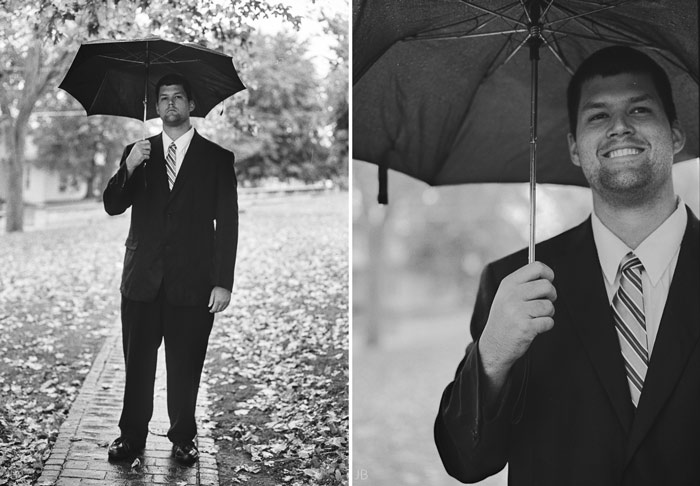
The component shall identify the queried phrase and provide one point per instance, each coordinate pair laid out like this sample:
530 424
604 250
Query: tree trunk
90 189
90 180
36 80
14 215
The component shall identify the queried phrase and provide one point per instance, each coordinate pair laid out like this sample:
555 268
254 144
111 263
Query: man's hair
174 79
612 61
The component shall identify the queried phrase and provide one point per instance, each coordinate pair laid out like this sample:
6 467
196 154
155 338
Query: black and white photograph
174 276
525 242
366 242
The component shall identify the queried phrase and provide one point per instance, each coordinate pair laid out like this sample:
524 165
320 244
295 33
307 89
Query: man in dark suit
178 267
585 365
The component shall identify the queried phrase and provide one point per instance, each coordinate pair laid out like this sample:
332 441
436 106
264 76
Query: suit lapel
678 335
580 285
188 164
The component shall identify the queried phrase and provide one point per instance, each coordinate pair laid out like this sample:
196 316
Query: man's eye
597 116
641 109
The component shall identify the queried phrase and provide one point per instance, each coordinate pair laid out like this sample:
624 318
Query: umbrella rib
566 66
520 46
441 27
584 14
632 43
128 53
444 26
544 13
166 54
494 66
452 24
567 11
119 59
493 18
553 45
182 61
527 12
625 35
573 15
99 90
626 42
493 12
595 23
558 48
597 4
463 36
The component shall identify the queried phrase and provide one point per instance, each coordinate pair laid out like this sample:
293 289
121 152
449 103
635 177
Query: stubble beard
174 119
627 186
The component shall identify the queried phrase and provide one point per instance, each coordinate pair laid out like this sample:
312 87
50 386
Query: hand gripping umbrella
119 77
444 91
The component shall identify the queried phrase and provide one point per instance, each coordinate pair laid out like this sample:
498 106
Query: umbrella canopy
116 77
442 88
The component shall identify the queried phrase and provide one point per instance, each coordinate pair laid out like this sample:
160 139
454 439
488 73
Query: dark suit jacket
184 239
566 416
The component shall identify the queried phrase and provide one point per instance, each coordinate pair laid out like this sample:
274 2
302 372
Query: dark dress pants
185 330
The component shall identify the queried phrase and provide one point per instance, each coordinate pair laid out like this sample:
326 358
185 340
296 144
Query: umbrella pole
534 43
145 109
145 95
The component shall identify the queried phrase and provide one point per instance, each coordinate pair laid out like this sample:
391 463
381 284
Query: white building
41 185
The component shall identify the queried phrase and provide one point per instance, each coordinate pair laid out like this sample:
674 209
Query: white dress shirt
659 256
182 144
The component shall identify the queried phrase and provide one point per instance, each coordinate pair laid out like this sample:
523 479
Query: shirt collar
182 142
655 252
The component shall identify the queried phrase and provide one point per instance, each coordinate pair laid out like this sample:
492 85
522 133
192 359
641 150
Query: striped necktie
170 164
628 307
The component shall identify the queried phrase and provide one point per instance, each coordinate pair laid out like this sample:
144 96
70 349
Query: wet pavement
79 456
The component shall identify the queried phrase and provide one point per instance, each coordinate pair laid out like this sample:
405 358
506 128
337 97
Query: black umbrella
119 77
447 90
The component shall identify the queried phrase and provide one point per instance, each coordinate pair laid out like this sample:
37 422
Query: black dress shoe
185 453
123 448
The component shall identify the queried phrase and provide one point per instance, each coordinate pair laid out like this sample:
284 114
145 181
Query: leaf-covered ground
278 357
59 297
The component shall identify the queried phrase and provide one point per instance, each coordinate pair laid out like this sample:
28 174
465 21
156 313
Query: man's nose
620 125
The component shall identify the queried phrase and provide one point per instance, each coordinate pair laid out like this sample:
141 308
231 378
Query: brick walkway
79 456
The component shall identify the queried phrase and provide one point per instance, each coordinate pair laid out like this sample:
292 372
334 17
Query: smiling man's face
624 142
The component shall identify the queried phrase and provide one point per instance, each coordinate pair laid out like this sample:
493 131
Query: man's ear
678 137
573 150
191 106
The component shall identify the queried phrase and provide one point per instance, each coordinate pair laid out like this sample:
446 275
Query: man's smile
621 151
